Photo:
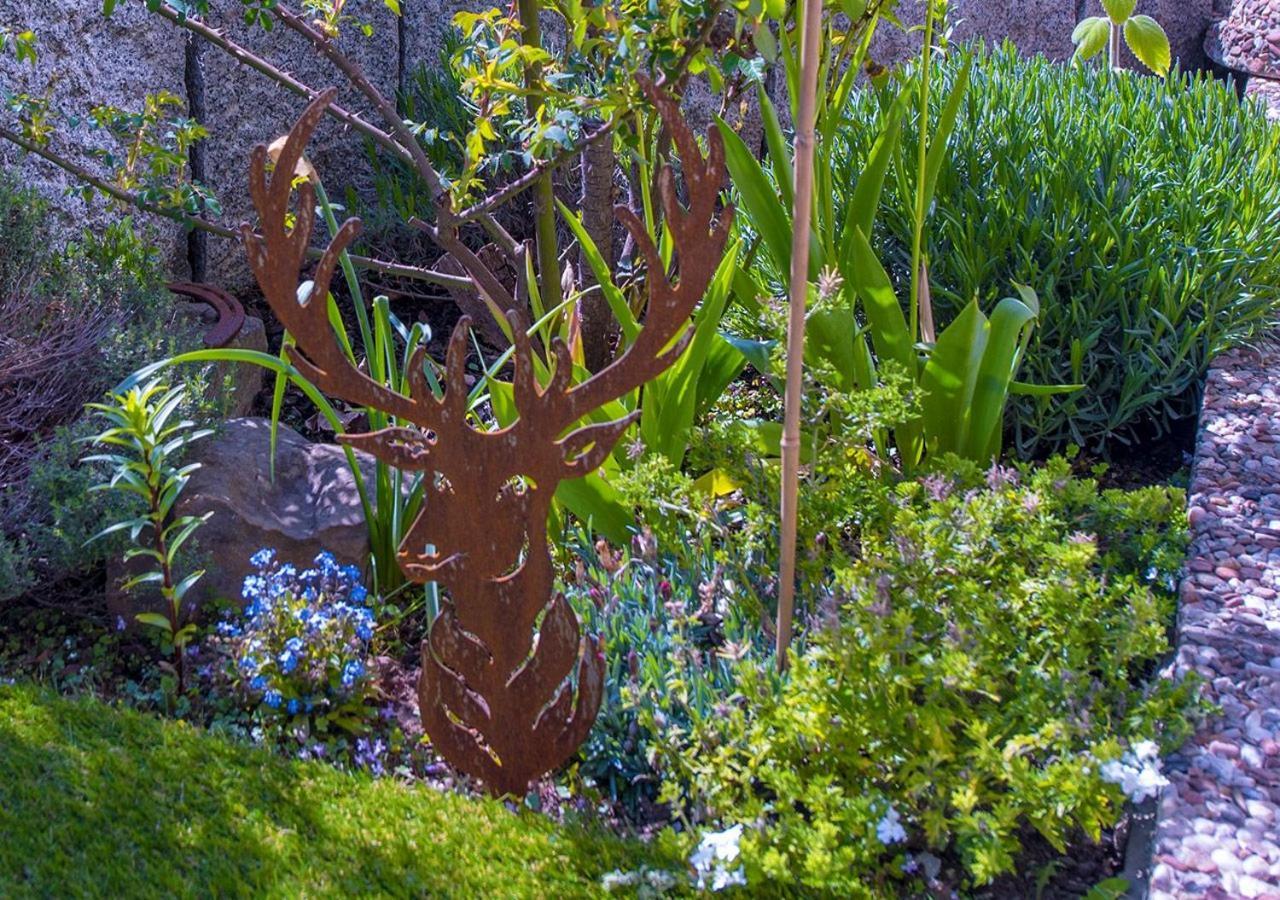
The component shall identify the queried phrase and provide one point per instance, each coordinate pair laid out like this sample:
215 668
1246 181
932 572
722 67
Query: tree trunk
599 326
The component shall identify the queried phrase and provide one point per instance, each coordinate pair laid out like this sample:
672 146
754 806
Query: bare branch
529 178
445 231
282 78
397 270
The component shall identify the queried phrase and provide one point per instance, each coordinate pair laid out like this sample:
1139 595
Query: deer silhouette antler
509 688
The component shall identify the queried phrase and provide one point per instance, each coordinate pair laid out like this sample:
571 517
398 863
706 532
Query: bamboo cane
811 27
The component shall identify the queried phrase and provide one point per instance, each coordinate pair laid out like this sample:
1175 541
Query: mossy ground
102 801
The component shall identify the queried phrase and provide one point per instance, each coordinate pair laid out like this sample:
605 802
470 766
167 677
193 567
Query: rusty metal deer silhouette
498 693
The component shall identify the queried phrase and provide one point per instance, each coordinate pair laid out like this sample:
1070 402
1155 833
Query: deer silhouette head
498 693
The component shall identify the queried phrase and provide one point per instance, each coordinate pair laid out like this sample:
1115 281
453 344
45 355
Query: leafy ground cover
101 801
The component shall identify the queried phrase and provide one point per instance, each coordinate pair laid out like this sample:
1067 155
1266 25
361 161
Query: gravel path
1217 831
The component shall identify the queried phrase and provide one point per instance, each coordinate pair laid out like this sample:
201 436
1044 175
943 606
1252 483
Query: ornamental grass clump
300 654
1143 212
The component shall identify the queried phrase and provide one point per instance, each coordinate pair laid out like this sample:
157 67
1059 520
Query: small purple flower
352 672
272 699
369 754
999 476
938 487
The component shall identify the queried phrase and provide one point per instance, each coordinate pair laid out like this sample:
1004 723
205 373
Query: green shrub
1145 213
671 636
72 324
988 655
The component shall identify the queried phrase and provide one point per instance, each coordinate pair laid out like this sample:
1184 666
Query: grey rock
312 505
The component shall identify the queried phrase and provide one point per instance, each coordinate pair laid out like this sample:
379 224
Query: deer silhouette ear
404 448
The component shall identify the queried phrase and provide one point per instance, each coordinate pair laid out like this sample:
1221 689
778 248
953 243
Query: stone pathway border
1216 831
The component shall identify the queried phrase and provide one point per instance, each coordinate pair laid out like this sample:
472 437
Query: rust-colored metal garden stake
498 694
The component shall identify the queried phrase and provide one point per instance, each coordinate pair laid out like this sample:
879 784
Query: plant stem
173 607
544 198
1113 44
811 28
922 154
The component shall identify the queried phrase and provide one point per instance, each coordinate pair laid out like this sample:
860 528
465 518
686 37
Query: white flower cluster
712 858
889 829
1137 772
648 882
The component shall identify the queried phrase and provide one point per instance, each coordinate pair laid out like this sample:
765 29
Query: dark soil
1045 874
1158 459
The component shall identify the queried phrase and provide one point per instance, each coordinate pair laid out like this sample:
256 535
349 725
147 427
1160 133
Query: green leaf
148 578
1090 36
1108 889
1022 389
154 620
864 273
1119 10
779 153
866 195
186 584
949 379
991 392
830 335
1149 43
759 198
594 501
938 152
757 353
617 302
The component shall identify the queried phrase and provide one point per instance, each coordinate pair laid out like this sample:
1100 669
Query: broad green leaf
596 503
724 363
617 302
863 272
1149 43
669 403
949 378
830 336
991 392
779 151
1090 36
938 152
757 353
865 203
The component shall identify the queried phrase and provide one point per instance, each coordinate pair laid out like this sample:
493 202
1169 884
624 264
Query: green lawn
100 801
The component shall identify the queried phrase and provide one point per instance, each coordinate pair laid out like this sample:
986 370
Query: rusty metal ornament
228 309
498 693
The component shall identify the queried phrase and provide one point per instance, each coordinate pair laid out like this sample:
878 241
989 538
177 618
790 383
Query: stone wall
118 60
